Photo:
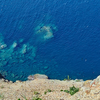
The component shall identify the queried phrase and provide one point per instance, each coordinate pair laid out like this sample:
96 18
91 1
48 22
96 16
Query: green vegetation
61 90
35 92
72 90
47 91
65 79
78 80
2 87
24 97
36 98
68 78
1 96
66 91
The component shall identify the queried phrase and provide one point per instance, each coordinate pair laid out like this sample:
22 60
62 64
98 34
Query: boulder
37 76
30 77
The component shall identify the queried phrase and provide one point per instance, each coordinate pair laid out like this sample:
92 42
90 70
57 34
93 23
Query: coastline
19 90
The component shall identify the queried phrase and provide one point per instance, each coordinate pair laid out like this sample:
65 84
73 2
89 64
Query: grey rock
37 76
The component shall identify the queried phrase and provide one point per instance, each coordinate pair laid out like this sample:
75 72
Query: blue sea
52 37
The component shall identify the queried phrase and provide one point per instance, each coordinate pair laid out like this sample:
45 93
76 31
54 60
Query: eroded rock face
31 77
37 76
98 79
27 88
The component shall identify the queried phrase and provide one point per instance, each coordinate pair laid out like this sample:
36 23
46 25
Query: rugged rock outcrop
50 89
37 76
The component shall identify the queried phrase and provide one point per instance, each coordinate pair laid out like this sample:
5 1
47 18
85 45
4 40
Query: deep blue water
73 49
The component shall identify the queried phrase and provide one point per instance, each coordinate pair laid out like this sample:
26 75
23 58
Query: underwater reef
19 55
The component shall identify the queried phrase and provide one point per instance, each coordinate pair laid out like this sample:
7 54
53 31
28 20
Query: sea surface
53 37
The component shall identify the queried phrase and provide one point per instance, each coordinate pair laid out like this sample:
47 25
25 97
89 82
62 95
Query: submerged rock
44 32
2 46
23 51
14 44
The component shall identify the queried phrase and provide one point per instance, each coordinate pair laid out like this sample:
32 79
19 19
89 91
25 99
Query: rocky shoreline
42 88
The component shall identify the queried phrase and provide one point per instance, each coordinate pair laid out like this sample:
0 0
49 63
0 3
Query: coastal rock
37 76
95 82
40 76
53 89
87 83
31 77
2 80
18 81
85 90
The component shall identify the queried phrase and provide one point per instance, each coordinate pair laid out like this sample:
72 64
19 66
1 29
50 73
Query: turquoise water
56 38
